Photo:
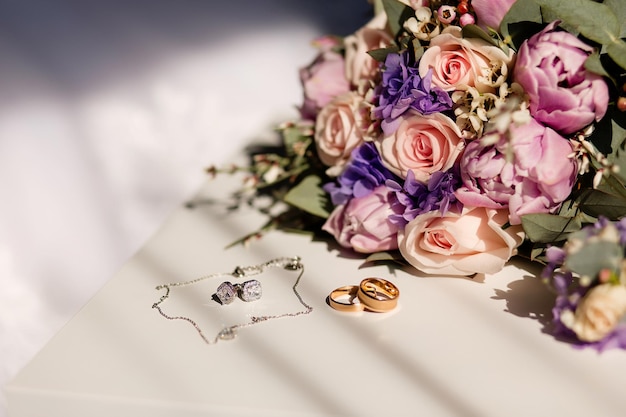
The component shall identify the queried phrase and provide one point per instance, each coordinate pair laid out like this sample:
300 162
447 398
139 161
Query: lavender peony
563 94
538 179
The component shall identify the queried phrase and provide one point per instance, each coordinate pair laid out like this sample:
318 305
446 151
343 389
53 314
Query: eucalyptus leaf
599 203
596 256
521 11
397 12
618 7
475 31
548 228
617 51
309 196
381 54
619 160
384 257
291 136
593 64
613 185
596 21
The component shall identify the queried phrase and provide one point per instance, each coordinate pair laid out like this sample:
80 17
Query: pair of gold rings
372 294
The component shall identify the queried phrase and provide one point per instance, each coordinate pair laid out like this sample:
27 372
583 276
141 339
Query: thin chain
230 332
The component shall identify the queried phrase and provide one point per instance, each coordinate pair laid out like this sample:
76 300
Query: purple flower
415 198
402 88
364 173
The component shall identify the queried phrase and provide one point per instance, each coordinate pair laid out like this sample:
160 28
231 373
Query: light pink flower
459 244
363 224
562 93
599 312
360 66
491 12
537 179
423 144
458 63
322 81
339 128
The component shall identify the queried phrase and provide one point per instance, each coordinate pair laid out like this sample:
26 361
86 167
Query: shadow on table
529 298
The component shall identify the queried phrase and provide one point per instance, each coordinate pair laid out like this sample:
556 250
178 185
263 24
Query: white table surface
453 347
109 113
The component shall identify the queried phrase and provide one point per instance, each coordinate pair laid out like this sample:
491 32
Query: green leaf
596 21
309 196
548 228
397 12
594 257
597 203
619 159
521 11
618 7
593 64
384 257
617 51
475 31
381 54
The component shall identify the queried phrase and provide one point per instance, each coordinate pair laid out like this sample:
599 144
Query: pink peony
491 12
473 241
423 144
363 224
458 63
563 94
322 81
339 128
538 179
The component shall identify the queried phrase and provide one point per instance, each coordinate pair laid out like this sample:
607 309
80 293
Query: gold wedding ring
351 306
378 295
372 294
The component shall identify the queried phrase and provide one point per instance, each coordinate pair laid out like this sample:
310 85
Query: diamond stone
226 292
227 333
250 290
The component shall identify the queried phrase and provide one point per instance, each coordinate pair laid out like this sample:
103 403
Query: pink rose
422 143
363 224
538 179
322 81
563 94
491 12
459 244
339 128
360 66
458 63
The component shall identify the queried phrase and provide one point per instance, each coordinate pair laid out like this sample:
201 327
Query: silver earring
248 291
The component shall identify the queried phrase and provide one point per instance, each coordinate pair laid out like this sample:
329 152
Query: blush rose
363 223
339 129
360 66
537 179
457 63
563 94
423 144
459 244
598 313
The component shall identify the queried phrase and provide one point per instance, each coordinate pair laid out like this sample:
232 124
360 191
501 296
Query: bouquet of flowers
451 135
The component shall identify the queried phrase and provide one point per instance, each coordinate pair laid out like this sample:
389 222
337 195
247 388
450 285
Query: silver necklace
230 332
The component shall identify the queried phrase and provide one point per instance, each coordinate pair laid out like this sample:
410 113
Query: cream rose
458 63
360 66
423 144
598 313
339 129
459 244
